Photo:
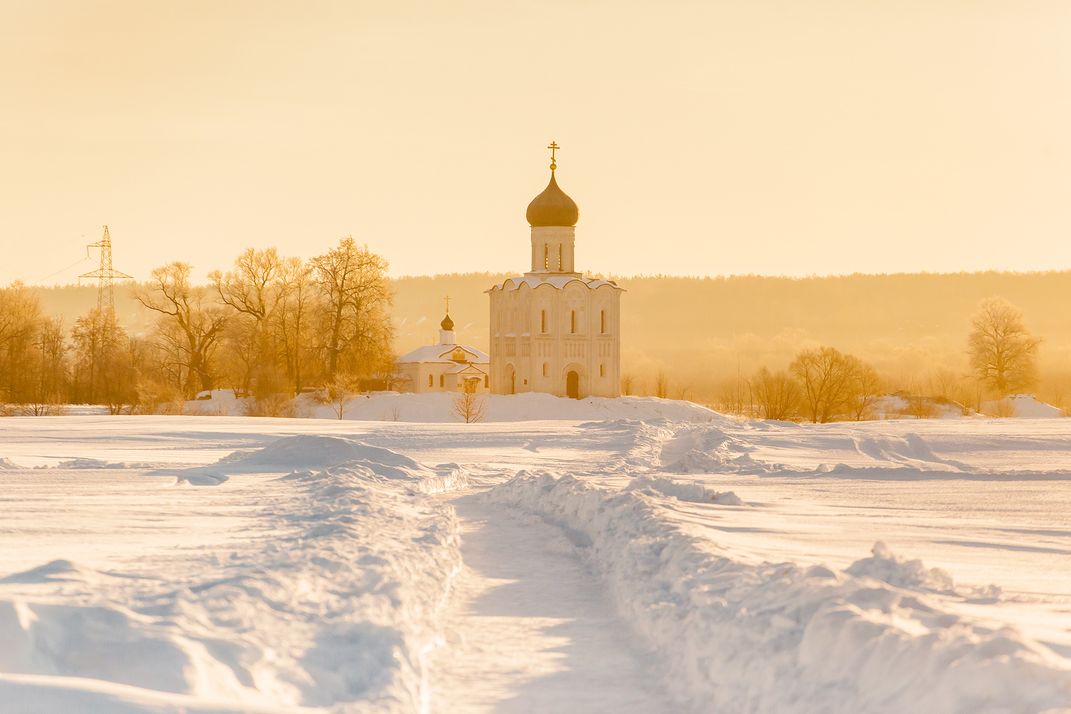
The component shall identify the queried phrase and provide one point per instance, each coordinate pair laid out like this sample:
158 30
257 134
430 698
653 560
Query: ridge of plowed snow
694 492
886 566
739 637
334 606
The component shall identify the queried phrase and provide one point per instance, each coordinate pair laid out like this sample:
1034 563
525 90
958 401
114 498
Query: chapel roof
441 354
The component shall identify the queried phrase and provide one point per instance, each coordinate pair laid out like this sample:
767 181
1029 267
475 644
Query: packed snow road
530 629
691 564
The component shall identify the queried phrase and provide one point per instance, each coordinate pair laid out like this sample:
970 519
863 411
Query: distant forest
701 333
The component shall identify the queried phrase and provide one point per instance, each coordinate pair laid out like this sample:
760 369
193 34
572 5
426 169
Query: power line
61 270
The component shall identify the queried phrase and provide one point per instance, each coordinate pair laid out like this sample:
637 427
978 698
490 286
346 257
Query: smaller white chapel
554 329
444 367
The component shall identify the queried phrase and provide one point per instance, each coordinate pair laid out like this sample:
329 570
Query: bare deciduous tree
866 387
662 385
339 392
776 394
735 396
469 406
833 384
356 331
194 326
296 301
1003 353
102 369
825 378
20 320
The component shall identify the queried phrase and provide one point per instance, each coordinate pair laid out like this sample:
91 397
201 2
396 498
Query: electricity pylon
105 274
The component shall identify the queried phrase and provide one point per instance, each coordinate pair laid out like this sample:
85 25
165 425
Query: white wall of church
539 335
423 377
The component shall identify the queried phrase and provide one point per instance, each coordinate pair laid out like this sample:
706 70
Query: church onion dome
447 323
552 207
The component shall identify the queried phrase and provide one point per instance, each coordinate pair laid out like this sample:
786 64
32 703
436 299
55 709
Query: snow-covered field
645 557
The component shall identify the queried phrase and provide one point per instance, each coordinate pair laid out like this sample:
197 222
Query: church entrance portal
572 385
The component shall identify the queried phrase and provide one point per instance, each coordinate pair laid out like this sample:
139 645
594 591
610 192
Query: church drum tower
554 330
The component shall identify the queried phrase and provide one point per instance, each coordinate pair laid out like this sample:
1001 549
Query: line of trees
823 384
270 327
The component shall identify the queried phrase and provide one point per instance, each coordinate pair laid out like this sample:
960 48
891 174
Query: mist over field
701 332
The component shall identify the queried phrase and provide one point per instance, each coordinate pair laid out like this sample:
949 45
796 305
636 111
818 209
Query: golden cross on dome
553 146
447 298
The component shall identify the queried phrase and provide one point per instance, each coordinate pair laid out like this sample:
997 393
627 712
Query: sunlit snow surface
689 563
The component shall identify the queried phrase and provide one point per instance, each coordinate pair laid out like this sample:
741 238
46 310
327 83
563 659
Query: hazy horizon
767 138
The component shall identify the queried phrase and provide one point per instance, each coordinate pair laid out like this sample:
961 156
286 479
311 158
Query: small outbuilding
444 367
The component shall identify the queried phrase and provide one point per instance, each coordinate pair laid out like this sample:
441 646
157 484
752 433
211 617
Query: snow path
529 627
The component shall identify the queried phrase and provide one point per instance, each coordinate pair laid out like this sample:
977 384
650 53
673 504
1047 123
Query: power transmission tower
105 274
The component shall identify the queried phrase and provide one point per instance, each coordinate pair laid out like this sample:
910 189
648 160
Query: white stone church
553 329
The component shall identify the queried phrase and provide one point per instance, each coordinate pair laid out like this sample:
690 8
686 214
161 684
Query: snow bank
886 566
739 637
314 451
1022 406
330 453
333 605
710 449
896 406
87 463
439 408
908 450
51 572
8 465
694 492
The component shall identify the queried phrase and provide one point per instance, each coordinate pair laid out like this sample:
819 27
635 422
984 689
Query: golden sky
789 137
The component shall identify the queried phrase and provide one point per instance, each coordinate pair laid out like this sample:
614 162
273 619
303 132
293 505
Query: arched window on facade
546 369
602 370
431 381
543 321
442 380
572 321
486 381
602 321
546 257
559 257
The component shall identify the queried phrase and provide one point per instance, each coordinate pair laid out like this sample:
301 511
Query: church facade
553 329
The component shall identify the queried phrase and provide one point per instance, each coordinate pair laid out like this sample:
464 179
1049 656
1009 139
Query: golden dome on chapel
553 207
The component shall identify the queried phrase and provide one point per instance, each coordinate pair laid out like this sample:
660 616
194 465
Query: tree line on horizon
909 329
823 384
269 328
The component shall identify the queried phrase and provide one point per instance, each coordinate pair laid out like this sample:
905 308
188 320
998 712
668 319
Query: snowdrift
439 408
740 637
1023 406
334 605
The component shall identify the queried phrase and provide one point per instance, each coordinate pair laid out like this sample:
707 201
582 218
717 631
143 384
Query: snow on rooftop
441 353
553 280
